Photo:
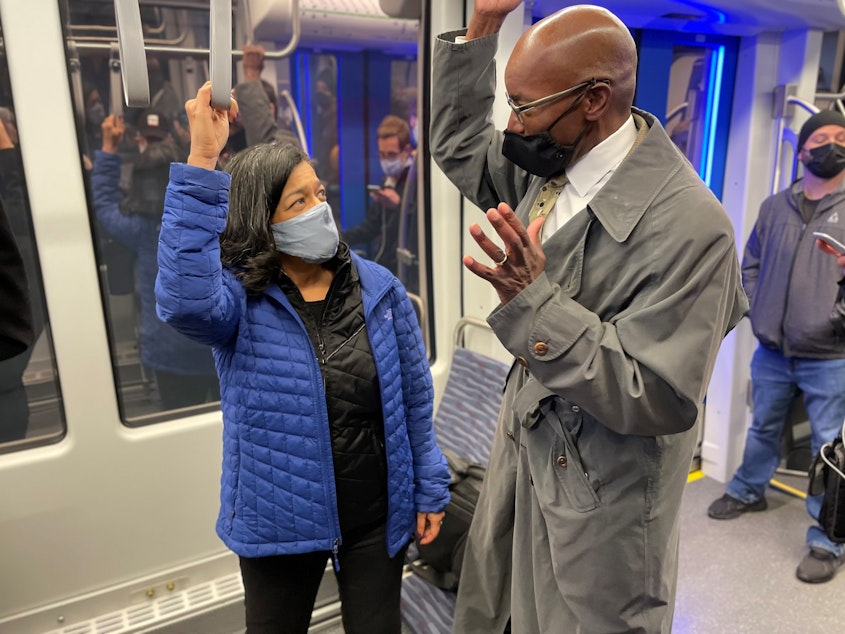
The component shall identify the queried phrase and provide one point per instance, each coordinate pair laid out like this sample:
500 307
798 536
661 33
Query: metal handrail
679 109
790 100
297 120
467 322
175 51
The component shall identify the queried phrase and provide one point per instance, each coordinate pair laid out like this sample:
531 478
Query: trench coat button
541 348
576 409
521 361
530 479
561 462
510 435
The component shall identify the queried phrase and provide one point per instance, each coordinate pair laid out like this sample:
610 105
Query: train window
159 373
351 103
31 411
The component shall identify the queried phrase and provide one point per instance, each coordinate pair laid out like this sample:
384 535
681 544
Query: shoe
818 566
728 507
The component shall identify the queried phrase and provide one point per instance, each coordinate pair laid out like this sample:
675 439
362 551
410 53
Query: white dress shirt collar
602 159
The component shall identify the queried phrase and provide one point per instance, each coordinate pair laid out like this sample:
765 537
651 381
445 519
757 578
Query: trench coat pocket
568 466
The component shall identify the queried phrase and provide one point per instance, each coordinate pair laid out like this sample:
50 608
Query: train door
687 81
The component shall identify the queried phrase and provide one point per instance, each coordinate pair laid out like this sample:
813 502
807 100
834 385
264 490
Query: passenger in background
259 103
326 120
792 285
615 321
382 218
183 369
25 317
327 393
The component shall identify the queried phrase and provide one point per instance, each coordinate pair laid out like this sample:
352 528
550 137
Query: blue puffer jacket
278 489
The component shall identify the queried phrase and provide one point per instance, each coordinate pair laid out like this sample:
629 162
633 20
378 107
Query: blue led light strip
711 112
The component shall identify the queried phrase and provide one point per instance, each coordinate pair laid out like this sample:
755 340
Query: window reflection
30 400
323 92
129 155
686 101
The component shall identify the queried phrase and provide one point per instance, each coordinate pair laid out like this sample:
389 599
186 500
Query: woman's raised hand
209 128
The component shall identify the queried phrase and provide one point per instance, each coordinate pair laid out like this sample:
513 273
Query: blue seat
464 423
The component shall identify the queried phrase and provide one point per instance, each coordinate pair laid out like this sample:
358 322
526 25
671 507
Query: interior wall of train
110 431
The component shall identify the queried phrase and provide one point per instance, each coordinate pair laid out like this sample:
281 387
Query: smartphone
374 188
830 241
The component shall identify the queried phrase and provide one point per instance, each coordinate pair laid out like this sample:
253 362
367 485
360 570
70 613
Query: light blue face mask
311 236
393 167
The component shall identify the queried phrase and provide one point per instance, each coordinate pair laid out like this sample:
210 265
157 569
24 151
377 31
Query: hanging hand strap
220 55
133 59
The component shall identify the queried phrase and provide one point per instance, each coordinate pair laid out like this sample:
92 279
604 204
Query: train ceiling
727 17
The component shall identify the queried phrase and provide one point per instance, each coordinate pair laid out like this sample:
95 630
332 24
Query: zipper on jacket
335 559
322 345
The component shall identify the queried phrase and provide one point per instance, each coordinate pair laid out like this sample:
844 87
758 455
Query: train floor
735 576
738 575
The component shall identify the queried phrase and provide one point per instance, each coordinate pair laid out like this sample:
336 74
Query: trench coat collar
621 203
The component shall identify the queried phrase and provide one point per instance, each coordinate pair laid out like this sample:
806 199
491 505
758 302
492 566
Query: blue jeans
775 383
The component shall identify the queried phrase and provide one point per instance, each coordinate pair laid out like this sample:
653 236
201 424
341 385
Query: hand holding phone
829 244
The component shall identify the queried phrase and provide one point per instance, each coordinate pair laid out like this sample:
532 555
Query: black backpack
827 475
440 561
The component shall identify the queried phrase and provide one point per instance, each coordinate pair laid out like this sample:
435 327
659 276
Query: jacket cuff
529 331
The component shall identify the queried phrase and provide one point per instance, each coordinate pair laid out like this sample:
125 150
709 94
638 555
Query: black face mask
826 161
540 154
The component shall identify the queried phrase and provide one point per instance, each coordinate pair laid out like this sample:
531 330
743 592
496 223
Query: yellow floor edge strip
695 475
698 474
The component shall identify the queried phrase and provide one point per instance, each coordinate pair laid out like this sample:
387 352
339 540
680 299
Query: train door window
31 411
687 81
363 138
158 372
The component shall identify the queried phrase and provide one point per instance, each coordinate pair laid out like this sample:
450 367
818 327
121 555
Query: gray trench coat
576 530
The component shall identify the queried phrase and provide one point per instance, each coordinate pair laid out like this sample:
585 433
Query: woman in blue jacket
329 449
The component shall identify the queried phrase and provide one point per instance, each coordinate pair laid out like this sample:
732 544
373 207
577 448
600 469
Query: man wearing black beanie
792 286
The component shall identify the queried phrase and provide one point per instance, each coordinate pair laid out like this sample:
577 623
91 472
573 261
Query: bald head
571 46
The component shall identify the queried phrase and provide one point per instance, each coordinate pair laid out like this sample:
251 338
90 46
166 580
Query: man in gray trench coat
615 322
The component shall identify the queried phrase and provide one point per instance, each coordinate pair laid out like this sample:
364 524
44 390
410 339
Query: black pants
280 591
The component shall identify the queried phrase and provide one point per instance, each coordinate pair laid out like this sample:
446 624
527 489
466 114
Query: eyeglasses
542 101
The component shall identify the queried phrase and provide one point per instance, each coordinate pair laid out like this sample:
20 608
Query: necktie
547 197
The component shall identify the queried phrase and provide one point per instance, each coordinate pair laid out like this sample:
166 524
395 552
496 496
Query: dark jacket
790 283
383 224
256 118
278 492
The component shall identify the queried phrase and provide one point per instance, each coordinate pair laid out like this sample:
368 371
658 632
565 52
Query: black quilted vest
338 333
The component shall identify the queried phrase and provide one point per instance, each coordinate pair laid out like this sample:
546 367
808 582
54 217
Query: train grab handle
133 59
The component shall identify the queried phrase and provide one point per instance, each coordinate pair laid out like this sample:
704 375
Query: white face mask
311 236
393 167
